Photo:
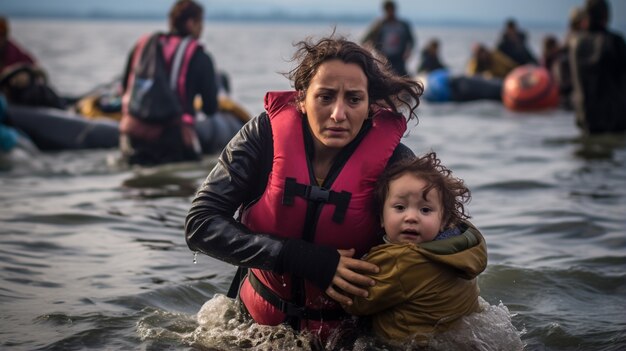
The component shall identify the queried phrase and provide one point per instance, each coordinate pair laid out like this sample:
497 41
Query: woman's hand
350 278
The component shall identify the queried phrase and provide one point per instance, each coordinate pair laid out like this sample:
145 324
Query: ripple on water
543 298
516 185
65 219
90 330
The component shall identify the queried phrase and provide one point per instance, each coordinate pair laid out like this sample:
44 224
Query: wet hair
576 17
550 43
181 12
384 88
454 193
598 13
389 5
433 43
511 23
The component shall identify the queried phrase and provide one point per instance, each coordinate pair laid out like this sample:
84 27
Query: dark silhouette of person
489 63
512 43
429 58
598 67
392 37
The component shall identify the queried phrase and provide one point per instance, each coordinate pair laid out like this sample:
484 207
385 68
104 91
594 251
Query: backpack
153 93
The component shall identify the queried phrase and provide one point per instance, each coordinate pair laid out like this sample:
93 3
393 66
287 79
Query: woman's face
336 104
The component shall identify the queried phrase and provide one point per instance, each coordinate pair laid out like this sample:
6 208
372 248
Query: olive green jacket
421 289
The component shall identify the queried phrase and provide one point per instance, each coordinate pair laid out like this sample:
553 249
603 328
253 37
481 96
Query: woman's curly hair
385 88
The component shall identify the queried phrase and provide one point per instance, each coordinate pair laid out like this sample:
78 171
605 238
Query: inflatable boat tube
472 88
530 88
55 130
437 86
443 87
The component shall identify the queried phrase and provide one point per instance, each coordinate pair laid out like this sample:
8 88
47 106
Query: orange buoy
530 88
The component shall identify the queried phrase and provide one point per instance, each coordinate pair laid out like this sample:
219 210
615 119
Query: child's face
407 216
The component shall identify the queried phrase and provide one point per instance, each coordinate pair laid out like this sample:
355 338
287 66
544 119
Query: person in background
12 139
512 43
431 255
392 37
489 64
176 140
301 177
560 65
22 80
429 58
577 22
550 51
598 67
10 52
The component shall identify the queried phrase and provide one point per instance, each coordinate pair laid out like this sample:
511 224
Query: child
431 257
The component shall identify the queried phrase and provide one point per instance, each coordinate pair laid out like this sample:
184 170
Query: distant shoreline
275 18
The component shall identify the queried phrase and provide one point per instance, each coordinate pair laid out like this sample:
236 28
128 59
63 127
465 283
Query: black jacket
598 67
238 179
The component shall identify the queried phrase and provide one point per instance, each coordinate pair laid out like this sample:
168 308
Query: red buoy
530 88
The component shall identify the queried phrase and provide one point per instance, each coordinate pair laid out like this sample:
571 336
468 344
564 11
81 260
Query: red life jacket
13 54
342 225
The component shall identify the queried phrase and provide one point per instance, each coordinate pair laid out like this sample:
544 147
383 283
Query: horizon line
277 17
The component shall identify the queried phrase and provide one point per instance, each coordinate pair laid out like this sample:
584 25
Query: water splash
222 326
489 330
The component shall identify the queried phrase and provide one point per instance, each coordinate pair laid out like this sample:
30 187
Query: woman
302 175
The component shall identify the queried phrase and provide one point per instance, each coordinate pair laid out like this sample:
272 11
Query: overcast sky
492 11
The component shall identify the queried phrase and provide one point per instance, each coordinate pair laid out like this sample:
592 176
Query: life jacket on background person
338 214
156 92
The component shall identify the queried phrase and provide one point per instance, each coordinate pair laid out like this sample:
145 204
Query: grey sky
554 12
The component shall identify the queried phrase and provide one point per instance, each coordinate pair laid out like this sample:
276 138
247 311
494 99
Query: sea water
93 255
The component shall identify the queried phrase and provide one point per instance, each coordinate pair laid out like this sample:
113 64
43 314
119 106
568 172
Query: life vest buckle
317 194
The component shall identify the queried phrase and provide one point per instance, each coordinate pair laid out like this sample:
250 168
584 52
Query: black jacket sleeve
127 68
202 80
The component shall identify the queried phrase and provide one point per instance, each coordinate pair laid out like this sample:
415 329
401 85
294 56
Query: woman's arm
210 227
239 178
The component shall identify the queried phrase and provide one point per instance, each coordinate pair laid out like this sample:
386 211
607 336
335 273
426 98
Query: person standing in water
301 178
392 37
597 59
147 142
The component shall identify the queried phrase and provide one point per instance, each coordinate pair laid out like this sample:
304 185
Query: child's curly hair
454 193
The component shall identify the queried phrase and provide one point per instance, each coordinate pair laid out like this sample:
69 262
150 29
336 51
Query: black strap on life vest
317 194
233 291
291 309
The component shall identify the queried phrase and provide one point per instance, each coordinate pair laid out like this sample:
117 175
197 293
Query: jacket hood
465 253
